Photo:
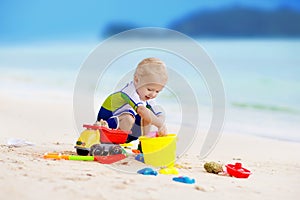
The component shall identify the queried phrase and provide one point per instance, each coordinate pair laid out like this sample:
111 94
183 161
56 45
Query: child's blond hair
152 67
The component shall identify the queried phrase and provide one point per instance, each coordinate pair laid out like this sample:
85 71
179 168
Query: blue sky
66 19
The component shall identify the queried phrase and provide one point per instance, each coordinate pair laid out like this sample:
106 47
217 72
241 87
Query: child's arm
150 118
162 130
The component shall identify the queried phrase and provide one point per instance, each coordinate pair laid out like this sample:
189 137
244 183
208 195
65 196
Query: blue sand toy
184 179
147 171
140 157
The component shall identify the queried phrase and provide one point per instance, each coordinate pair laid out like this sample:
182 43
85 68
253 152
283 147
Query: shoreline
14 100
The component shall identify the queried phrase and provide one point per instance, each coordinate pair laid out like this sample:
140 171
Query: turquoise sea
261 78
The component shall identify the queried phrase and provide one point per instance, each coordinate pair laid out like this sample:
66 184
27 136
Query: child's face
149 91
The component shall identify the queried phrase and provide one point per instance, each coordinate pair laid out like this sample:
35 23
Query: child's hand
162 131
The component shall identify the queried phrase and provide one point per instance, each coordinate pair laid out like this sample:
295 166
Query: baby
133 106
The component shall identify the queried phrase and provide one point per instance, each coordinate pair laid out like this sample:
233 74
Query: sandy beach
232 94
48 123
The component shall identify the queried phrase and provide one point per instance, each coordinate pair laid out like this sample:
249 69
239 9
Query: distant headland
228 22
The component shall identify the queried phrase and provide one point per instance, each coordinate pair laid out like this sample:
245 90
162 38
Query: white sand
24 174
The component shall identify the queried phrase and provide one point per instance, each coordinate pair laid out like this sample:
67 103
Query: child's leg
126 121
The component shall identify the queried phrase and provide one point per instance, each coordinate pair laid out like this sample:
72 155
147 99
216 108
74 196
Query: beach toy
169 171
105 149
110 159
59 156
127 145
140 157
152 134
184 179
87 138
159 151
96 134
136 151
237 170
115 136
101 159
147 171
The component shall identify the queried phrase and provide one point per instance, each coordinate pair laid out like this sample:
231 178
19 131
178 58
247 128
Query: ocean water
261 79
262 84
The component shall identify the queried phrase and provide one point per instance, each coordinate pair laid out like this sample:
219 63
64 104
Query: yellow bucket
159 151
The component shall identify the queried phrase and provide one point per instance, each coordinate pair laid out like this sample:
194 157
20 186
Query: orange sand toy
59 156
